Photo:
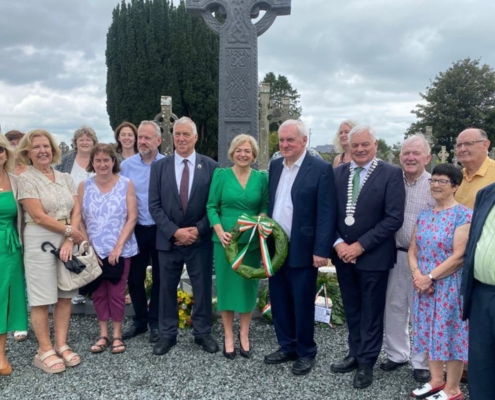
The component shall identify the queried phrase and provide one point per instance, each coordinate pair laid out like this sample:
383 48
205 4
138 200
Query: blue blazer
485 200
314 205
379 214
166 208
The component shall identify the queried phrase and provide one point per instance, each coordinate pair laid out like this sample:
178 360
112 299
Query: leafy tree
383 147
281 88
155 48
273 143
463 96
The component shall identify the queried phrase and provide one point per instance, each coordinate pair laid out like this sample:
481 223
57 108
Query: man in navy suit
179 186
302 201
370 203
478 288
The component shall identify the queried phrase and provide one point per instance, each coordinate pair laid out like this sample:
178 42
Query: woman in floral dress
435 258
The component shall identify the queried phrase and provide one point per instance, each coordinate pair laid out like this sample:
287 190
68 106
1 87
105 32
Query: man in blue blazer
478 288
179 186
302 201
370 204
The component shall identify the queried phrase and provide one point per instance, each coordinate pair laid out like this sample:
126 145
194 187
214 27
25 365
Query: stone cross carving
238 87
264 137
443 155
64 148
166 120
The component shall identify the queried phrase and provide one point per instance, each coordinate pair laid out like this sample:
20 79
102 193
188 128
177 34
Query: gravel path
189 373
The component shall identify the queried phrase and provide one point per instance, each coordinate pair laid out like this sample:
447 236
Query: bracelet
68 231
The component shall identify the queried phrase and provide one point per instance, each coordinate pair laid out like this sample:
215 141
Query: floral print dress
438 326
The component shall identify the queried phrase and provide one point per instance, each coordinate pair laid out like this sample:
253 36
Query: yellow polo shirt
484 267
466 194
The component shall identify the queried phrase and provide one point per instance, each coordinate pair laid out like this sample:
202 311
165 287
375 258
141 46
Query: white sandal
20 336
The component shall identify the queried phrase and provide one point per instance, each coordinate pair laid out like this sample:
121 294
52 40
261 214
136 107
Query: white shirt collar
365 167
179 159
298 162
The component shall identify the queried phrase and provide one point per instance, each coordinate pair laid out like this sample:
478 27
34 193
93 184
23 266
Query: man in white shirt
303 202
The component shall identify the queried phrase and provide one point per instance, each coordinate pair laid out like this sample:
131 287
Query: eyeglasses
2 149
468 144
441 182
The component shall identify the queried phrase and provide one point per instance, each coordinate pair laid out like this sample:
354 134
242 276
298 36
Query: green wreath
264 225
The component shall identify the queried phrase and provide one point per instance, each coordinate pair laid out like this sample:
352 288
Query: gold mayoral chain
350 208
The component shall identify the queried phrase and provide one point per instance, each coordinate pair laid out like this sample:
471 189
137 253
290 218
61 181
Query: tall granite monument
238 88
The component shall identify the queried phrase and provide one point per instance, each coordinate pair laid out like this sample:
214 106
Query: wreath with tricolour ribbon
265 227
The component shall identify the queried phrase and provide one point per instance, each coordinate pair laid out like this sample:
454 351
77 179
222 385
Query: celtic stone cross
238 108
443 155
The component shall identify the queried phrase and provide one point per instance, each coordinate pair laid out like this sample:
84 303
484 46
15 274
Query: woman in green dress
233 192
13 308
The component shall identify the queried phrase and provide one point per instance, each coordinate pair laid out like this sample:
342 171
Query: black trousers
482 343
146 239
292 297
363 295
198 260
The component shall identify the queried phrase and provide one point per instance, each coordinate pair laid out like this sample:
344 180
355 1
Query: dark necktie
184 187
356 182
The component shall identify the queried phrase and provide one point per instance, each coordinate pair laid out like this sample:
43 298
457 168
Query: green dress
226 203
13 307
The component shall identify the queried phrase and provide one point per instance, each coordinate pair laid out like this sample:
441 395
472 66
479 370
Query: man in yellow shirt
479 170
478 289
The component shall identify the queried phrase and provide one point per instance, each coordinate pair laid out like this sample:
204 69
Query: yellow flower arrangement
185 302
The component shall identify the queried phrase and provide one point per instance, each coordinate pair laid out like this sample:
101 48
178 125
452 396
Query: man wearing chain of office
370 204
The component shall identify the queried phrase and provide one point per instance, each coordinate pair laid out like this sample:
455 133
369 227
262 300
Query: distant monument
165 121
238 108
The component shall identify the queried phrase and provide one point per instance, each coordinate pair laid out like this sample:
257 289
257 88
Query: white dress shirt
179 168
283 208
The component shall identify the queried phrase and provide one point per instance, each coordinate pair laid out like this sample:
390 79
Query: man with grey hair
472 146
302 200
137 168
414 156
179 187
370 209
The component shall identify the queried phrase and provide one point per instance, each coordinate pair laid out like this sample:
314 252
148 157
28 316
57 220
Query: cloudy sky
361 59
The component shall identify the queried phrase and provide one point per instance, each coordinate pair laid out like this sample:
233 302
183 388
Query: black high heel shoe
244 353
227 355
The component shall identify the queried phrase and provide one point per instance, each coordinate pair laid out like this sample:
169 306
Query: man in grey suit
179 186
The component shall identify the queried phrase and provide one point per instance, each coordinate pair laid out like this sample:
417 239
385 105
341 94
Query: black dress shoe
363 377
227 355
208 344
390 365
348 364
303 365
279 357
421 375
244 353
163 346
154 336
133 331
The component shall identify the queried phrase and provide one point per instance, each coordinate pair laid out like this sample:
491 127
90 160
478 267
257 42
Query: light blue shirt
138 172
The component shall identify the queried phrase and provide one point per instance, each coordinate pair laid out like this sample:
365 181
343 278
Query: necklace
350 207
242 179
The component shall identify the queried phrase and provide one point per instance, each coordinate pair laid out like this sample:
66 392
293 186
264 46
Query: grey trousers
398 307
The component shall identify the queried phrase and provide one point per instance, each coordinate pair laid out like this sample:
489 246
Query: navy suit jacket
485 200
166 208
314 205
379 214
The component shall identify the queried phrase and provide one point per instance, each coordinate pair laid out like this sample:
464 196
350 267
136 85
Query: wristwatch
431 277
68 231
